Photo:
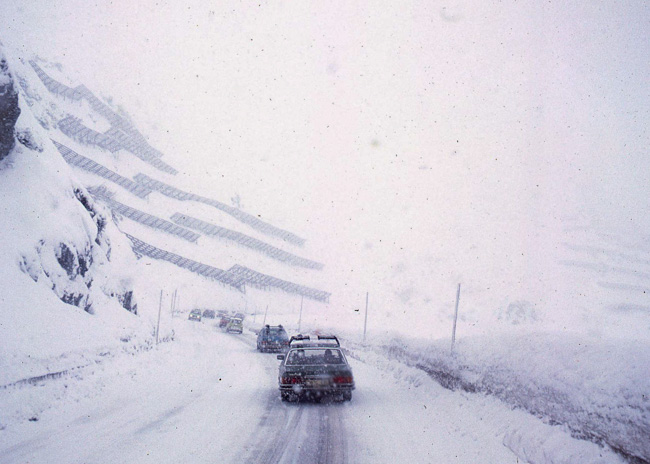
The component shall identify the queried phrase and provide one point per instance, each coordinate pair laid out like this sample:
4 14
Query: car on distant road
208 314
315 372
223 322
235 325
272 338
195 315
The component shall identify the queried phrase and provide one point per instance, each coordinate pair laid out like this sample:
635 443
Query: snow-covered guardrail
143 248
40 378
245 240
54 86
259 280
75 159
237 276
238 214
76 130
143 218
73 128
142 150
121 134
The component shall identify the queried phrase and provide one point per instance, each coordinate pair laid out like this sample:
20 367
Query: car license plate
318 383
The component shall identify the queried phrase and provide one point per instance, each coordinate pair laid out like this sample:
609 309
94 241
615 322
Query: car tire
347 396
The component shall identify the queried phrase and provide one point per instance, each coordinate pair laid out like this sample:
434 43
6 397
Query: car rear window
302 357
278 335
274 334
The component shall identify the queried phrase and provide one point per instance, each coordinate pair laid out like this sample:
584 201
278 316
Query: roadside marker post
365 320
173 303
265 312
453 333
159 310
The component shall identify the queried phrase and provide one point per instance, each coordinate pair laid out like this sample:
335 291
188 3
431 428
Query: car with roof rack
315 371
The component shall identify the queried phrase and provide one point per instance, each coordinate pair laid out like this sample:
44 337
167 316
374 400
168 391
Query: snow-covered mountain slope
90 150
85 195
65 283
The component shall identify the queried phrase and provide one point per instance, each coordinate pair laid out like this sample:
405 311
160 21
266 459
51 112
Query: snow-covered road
209 397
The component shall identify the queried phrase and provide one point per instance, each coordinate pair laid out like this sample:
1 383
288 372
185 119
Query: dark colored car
315 372
272 338
223 322
195 315
208 314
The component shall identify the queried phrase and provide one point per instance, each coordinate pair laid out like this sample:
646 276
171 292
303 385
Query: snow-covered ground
209 396
503 147
562 379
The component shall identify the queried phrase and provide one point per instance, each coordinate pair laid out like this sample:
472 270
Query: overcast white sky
378 130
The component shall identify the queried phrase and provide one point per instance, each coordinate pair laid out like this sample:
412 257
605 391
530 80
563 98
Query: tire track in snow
275 431
292 433
298 433
332 443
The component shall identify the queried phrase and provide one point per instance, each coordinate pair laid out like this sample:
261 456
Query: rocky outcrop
9 109
76 271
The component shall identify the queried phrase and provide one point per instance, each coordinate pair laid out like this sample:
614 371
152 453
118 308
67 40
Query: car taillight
343 379
291 379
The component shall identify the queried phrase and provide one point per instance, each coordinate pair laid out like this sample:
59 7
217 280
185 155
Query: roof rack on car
322 340
330 337
298 338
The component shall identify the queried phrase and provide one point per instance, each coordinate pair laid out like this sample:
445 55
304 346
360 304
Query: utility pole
265 312
159 310
453 333
300 316
173 303
365 320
